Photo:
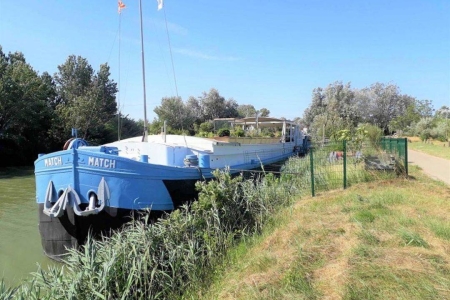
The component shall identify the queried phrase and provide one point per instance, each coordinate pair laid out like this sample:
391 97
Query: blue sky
266 53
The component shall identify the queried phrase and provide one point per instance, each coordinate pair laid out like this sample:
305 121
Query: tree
264 112
212 104
175 113
193 105
128 128
231 107
86 98
443 112
332 109
246 110
405 120
24 110
425 108
317 106
381 103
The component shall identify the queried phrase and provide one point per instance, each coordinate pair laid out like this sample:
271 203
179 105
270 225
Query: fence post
345 163
406 156
398 147
311 159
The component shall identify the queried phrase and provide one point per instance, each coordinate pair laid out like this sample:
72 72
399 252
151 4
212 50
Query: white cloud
172 27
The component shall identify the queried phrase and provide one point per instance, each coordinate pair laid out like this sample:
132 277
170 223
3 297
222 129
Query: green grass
298 278
435 149
411 238
441 228
381 240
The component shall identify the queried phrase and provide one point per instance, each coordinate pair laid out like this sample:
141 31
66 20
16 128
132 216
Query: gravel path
435 167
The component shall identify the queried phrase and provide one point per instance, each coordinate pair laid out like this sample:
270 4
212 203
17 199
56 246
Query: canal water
20 245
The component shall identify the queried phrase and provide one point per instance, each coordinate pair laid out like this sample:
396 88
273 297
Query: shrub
239 132
425 134
223 132
374 134
206 127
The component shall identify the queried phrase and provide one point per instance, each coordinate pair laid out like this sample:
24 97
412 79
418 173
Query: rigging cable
170 49
173 71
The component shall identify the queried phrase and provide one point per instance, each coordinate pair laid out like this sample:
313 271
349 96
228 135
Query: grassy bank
436 148
380 240
180 254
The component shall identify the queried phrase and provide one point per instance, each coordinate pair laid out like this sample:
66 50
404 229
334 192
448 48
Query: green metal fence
340 164
397 146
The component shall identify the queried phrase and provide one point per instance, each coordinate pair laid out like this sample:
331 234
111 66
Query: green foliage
128 128
206 127
373 134
239 132
175 112
154 127
298 278
223 132
425 134
87 98
213 106
246 110
441 228
364 216
339 107
264 112
25 110
411 238
354 138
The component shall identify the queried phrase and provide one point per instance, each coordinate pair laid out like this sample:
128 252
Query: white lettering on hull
102 162
53 161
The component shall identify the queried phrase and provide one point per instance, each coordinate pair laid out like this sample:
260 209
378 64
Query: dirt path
435 167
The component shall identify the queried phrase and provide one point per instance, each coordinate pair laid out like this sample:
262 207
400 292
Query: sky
269 54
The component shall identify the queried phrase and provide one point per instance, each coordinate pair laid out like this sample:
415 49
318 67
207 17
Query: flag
121 6
160 4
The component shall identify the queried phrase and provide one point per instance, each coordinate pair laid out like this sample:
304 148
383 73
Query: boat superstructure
96 188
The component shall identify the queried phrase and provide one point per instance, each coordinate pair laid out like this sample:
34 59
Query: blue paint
204 160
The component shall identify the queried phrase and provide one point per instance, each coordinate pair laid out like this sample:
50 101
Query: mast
144 138
118 97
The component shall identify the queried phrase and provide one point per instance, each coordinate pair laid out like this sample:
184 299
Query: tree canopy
37 111
25 98
339 106
86 98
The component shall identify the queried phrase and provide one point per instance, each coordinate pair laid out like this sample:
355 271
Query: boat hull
71 231
129 186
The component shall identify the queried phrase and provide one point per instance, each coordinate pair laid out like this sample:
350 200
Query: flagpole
143 75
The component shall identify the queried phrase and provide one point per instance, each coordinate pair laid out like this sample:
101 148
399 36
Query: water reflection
20 244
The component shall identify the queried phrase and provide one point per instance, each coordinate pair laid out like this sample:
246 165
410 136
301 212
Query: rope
173 72
171 56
